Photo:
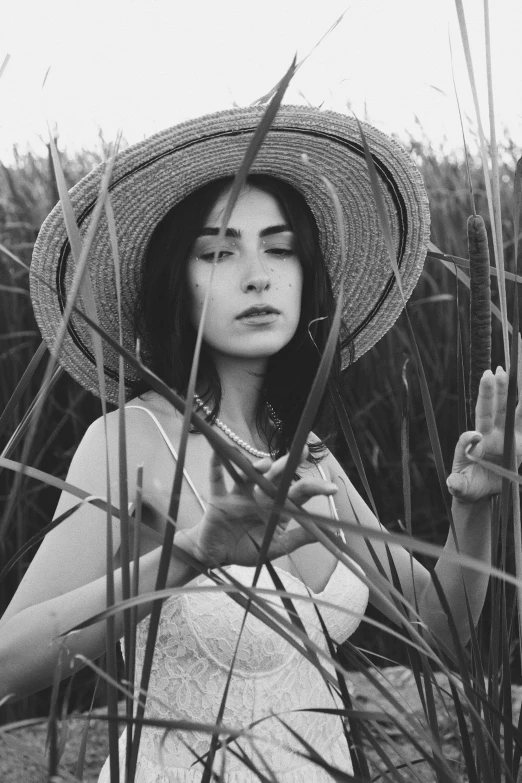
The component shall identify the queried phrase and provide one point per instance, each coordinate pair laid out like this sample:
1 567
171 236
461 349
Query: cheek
295 284
196 295
297 288
289 277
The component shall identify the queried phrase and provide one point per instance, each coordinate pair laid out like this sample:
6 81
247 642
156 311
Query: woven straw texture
152 176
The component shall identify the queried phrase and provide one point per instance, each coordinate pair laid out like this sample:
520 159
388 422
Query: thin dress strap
191 484
171 449
333 509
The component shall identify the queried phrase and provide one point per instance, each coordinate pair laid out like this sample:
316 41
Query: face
255 298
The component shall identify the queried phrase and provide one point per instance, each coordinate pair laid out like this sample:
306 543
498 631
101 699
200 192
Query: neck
241 384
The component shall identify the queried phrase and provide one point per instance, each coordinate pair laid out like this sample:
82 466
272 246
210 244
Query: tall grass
388 417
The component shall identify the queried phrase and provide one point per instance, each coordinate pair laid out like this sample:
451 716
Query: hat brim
151 177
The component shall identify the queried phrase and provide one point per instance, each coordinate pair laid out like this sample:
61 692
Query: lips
257 310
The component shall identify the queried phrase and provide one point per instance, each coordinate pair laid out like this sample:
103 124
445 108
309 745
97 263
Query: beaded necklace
232 435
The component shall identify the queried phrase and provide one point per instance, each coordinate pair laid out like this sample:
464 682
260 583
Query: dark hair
164 321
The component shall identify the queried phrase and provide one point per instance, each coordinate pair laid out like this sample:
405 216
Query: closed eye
209 256
280 251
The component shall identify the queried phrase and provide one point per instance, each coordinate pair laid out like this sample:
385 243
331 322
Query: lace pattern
196 642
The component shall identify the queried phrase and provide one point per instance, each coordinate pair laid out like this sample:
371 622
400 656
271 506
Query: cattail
480 306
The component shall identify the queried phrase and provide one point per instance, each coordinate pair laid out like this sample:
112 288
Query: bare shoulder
142 416
331 466
98 453
151 409
347 496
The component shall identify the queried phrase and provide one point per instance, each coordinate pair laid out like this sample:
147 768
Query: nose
256 276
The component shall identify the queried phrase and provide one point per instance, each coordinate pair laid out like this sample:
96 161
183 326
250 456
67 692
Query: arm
416 581
30 641
471 487
66 581
473 528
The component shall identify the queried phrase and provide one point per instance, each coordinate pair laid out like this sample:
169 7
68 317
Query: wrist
476 502
188 542
184 565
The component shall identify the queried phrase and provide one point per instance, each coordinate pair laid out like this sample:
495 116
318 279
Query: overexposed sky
141 65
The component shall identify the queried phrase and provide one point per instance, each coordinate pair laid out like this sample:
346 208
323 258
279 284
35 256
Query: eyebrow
208 231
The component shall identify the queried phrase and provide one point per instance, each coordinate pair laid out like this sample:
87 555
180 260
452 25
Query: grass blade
381 210
478 726
460 372
237 185
208 771
460 275
4 64
269 95
36 539
129 632
83 282
495 175
517 523
464 263
426 397
80 763
466 155
22 386
312 403
349 436
31 412
483 153
405 450
75 288
465 739
302 432
353 736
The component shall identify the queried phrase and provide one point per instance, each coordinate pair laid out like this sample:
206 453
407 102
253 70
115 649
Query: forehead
253 208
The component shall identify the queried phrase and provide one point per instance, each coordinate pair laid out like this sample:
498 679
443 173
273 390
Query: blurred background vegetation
373 388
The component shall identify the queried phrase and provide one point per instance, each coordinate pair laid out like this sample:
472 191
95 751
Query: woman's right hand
470 482
233 526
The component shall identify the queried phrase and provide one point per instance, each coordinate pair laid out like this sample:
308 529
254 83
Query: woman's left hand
468 481
233 526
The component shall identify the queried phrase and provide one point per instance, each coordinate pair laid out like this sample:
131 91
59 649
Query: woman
270 304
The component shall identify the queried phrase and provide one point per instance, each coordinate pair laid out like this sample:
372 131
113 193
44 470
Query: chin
251 352
265 351
261 345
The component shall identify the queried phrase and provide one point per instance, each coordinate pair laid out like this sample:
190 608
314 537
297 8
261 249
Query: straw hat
152 176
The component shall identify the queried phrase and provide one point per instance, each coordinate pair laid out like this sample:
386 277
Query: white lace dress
195 645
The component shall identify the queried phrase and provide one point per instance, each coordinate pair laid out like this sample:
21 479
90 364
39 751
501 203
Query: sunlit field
398 414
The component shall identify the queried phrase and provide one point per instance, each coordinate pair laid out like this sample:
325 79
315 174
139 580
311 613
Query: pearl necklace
232 435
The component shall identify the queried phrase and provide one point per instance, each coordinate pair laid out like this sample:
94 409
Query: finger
304 489
277 467
241 483
263 464
243 489
502 382
290 541
471 440
485 409
217 476
457 484
518 412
